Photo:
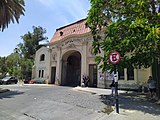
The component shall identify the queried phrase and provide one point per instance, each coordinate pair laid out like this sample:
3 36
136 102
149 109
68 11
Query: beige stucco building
69 57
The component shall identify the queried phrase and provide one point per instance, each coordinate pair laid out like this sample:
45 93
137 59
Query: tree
131 27
3 68
12 63
10 11
27 49
31 42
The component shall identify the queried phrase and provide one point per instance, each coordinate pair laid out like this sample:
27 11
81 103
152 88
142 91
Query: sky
49 14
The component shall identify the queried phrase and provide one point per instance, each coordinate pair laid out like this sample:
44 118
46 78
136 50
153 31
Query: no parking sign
114 57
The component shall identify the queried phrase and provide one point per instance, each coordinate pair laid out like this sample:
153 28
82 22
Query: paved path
133 106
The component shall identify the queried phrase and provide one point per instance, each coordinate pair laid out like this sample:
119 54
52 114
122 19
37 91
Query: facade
69 57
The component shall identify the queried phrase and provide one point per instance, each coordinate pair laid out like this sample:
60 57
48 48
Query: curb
50 85
84 90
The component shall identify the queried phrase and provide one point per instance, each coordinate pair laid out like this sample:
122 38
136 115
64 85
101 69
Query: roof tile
76 28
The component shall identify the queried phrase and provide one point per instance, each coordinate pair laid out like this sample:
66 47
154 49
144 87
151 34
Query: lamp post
18 62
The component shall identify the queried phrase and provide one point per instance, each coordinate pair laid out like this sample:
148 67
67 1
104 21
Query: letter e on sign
114 57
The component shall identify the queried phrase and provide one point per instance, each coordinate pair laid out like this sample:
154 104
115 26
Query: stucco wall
42 65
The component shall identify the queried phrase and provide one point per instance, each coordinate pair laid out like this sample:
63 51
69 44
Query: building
70 56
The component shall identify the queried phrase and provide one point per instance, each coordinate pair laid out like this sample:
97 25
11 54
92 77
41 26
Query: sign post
114 58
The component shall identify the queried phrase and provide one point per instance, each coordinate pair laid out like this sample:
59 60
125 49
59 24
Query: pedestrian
112 85
85 80
152 87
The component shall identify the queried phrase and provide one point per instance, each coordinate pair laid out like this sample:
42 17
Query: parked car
39 80
28 81
35 81
9 80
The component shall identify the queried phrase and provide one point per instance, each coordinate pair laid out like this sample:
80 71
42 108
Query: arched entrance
71 69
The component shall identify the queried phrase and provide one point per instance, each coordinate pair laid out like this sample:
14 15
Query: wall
42 65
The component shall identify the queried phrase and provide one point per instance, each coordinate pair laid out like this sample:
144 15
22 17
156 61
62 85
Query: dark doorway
71 69
93 75
53 75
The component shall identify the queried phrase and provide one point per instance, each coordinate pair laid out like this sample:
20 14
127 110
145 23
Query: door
53 75
93 75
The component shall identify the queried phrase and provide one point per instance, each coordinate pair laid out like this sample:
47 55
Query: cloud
47 2
73 8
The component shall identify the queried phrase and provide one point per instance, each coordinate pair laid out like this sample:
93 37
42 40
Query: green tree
12 63
3 67
20 62
10 11
131 27
31 42
27 50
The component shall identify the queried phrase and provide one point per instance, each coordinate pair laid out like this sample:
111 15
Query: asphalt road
49 103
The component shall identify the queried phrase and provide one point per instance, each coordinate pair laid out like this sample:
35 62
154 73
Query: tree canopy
3 67
31 42
20 62
10 11
131 27
27 49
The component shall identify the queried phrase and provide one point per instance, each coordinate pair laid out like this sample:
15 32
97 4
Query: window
42 58
39 73
61 33
42 73
121 75
130 73
86 25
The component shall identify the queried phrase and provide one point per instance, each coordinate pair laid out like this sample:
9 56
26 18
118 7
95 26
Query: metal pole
116 89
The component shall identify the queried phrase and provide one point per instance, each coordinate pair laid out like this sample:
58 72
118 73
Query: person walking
152 87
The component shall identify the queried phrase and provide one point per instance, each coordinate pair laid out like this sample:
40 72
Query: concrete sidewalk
98 91
132 105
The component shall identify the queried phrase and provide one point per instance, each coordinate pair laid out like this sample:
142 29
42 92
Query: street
49 103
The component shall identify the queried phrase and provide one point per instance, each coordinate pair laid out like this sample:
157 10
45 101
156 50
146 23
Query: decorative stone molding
70 44
54 56
91 52
84 42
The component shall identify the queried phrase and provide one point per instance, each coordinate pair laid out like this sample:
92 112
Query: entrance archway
71 69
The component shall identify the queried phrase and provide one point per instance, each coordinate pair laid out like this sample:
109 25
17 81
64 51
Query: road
49 103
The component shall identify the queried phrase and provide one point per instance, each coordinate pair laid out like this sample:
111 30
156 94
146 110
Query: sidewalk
132 105
98 91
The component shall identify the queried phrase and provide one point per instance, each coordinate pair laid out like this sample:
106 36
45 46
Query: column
84 64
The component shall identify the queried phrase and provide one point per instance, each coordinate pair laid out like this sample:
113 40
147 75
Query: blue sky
49 14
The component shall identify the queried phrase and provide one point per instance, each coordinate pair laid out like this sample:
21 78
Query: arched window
42 57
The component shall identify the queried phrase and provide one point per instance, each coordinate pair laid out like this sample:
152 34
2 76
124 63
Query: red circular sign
114 57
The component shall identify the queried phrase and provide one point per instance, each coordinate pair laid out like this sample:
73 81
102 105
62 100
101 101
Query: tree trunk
156 75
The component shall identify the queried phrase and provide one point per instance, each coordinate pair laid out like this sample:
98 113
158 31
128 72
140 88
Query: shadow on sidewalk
133 101
10 94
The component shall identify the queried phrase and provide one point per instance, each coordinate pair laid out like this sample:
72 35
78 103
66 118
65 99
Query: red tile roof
77 28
